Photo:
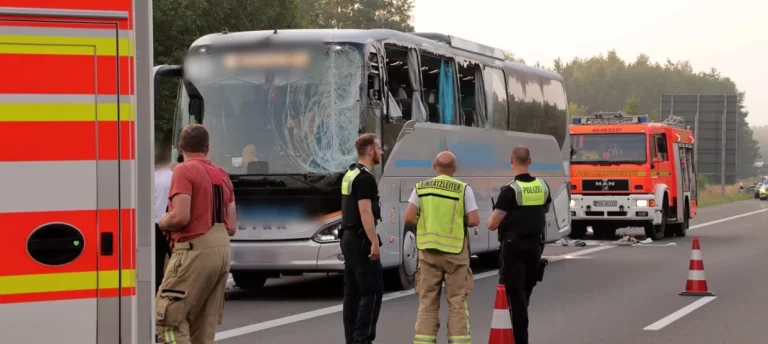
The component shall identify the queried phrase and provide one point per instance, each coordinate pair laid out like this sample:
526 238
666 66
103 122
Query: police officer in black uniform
520 214
360 211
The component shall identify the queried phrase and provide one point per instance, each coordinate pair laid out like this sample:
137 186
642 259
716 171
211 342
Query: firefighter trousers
191 299
519 268
436 267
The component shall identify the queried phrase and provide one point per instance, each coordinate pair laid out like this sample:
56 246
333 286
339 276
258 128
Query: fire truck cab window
661 147
609 148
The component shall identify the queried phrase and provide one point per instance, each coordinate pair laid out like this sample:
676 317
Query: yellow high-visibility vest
441 219
533 193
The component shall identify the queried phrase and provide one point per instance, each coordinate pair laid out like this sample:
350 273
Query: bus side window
496 98
472 93
439 78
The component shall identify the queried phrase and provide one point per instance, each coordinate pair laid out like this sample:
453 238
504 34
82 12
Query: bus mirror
159 72
196 109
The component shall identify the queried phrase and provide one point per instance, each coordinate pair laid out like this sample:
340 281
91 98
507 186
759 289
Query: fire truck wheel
250 280
578 230
656 232
679 229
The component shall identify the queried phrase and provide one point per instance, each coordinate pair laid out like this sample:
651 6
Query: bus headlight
573 203
641 203
328 234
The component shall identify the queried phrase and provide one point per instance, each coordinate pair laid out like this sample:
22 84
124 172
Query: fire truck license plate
606 203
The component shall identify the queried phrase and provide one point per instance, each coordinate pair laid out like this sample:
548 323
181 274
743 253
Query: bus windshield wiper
275 179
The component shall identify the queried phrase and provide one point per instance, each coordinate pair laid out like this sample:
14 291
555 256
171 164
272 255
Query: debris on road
626 240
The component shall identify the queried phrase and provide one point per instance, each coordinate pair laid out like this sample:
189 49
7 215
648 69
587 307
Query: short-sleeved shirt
526 220
162 189
469 199
190 178
363 187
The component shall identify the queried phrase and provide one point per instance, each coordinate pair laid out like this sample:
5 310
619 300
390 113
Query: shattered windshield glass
278 111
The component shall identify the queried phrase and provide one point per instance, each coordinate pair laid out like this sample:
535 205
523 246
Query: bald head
445 163
521 156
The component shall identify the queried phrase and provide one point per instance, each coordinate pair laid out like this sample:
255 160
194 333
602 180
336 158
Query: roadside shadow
324 287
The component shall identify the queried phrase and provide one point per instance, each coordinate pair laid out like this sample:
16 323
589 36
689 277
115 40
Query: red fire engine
627 172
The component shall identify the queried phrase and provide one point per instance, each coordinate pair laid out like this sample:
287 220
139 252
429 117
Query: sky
731 36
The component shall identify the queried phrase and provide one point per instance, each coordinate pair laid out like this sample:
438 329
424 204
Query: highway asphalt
593 294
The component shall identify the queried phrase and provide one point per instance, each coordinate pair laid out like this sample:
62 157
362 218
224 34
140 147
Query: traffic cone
501 324
697 282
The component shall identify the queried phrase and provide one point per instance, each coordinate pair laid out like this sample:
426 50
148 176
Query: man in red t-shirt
201 218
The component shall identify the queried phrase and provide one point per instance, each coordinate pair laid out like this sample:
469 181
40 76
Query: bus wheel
249 280
403 276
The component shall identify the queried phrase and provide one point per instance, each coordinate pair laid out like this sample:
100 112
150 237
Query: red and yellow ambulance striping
68 136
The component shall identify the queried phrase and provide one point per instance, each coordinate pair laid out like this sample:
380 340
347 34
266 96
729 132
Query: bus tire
403 276
249 280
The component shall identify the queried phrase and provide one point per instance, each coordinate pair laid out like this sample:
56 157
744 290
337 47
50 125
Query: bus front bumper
286 256
623 208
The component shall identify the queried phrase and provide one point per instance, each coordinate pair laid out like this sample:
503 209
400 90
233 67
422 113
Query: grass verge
710 195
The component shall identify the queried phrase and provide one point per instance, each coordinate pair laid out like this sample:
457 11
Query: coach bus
284 107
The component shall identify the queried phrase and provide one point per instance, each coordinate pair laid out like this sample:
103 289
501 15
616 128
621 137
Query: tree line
598 83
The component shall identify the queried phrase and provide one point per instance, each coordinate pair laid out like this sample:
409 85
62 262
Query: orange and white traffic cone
697 282
501 324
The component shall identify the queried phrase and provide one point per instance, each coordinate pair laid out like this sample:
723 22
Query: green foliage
701 181
576 110
511 56
358 14
632 106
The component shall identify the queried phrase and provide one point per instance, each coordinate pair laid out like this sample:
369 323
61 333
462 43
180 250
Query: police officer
363 280
520 214
447 206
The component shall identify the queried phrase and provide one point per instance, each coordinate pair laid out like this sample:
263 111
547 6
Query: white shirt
162 189
469 200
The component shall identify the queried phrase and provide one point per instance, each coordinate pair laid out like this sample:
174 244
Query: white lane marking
727 219
240 331
679 314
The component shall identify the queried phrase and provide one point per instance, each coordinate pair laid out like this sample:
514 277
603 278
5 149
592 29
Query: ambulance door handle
107 243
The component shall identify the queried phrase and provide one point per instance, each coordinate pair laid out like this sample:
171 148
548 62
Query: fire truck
76 167
628 172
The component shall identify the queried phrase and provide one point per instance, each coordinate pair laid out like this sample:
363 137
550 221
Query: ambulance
628 172
76 172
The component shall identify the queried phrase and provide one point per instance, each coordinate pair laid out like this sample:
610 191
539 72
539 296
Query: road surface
593 294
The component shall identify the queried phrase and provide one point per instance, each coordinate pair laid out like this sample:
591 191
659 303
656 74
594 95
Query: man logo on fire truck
627 172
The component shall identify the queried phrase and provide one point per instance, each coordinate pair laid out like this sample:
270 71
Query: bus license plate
606 203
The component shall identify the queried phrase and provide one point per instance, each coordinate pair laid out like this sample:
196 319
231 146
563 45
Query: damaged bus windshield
276 110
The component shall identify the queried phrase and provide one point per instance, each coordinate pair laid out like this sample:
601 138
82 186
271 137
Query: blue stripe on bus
418 163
